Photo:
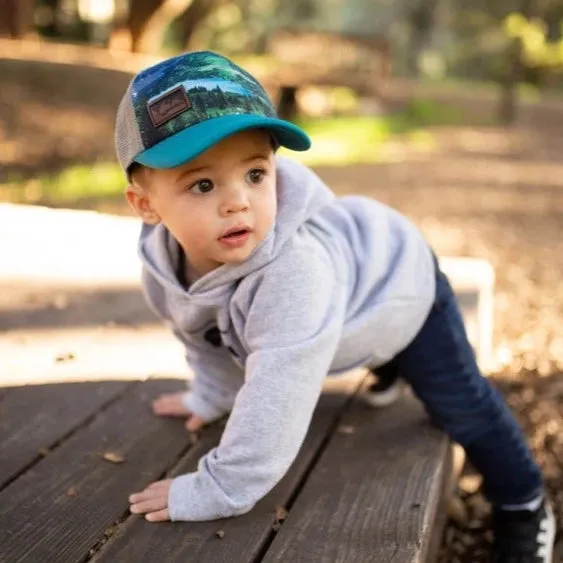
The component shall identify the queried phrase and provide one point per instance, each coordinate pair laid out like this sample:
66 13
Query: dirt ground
486 192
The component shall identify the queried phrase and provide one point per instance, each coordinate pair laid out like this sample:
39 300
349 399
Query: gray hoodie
336 284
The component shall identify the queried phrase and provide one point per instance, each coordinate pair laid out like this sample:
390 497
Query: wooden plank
36 417
58 509
245 536
374 493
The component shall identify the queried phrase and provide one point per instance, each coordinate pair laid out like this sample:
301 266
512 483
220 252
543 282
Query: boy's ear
140 202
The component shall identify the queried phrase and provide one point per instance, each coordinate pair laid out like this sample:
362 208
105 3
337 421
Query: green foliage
537 51
425 112
80 182
100 179
349 140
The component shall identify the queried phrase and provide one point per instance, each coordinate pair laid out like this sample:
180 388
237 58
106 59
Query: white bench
473 281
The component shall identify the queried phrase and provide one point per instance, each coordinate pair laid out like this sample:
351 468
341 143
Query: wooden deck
367 485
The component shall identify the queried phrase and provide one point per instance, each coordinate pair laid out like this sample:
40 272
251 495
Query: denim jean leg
441 368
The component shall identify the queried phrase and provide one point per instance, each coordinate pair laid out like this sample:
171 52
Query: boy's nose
235 200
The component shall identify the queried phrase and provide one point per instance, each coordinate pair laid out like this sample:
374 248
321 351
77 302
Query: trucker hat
178 108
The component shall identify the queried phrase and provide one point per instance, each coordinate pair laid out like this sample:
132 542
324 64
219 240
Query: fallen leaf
470 484
345 429
220 534
113 457
71 492
457 511
65 357
281 513
43 451
60 302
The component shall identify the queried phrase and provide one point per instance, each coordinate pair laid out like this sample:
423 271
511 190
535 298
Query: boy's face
219 206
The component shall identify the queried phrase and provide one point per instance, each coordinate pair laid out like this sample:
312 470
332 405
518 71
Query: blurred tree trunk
148 20
287 105
196 12
509 86
508 108
16 18
421 20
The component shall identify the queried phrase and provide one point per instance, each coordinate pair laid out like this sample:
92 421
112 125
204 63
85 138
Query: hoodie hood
301 194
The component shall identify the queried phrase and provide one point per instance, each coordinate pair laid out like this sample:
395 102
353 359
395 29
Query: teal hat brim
192 141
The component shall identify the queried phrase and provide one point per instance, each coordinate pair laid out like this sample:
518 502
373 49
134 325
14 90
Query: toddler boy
271 283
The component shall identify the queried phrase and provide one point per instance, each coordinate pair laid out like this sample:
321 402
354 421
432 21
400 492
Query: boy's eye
202 187
255 176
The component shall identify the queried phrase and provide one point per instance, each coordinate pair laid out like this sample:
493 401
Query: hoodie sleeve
217 378
293 327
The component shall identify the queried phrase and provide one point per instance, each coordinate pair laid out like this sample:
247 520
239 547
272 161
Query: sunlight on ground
73 355
88 252
74 246
89 354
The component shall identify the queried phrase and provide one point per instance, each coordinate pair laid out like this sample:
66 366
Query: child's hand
170 404
153 501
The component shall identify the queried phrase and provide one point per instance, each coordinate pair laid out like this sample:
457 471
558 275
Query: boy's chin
238 256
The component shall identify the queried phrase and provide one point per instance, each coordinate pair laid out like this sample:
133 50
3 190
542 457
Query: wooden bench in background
325 58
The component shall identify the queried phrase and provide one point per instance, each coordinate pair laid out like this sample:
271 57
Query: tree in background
421 18
533 48
428 38
148 20
16 18
514 69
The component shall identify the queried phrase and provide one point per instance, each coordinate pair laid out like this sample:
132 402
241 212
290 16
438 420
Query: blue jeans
440 366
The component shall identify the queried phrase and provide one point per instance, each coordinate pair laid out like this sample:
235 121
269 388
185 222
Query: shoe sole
384 398
549 535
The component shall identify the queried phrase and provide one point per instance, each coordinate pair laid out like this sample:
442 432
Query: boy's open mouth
237 236
235 232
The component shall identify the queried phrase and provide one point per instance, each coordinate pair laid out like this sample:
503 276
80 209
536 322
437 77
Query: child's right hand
171 404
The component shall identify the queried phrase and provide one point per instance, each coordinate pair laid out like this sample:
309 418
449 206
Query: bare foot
170 404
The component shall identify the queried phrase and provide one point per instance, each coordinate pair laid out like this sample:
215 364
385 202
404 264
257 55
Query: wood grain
58 509
245 537
374 493
34 418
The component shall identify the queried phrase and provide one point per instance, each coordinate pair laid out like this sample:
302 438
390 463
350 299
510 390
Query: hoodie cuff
202 408
196 497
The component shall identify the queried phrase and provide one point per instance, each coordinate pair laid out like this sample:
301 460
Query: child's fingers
194 423
151 505
158 516
170 404
158 489
160 484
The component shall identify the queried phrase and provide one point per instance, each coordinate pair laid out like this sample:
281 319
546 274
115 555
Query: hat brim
191 142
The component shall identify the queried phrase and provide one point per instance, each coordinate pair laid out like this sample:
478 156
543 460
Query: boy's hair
134 170
177 109
136 174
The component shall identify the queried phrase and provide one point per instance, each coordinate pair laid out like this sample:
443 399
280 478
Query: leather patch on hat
169 105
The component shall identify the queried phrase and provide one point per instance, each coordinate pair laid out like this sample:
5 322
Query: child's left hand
153 501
